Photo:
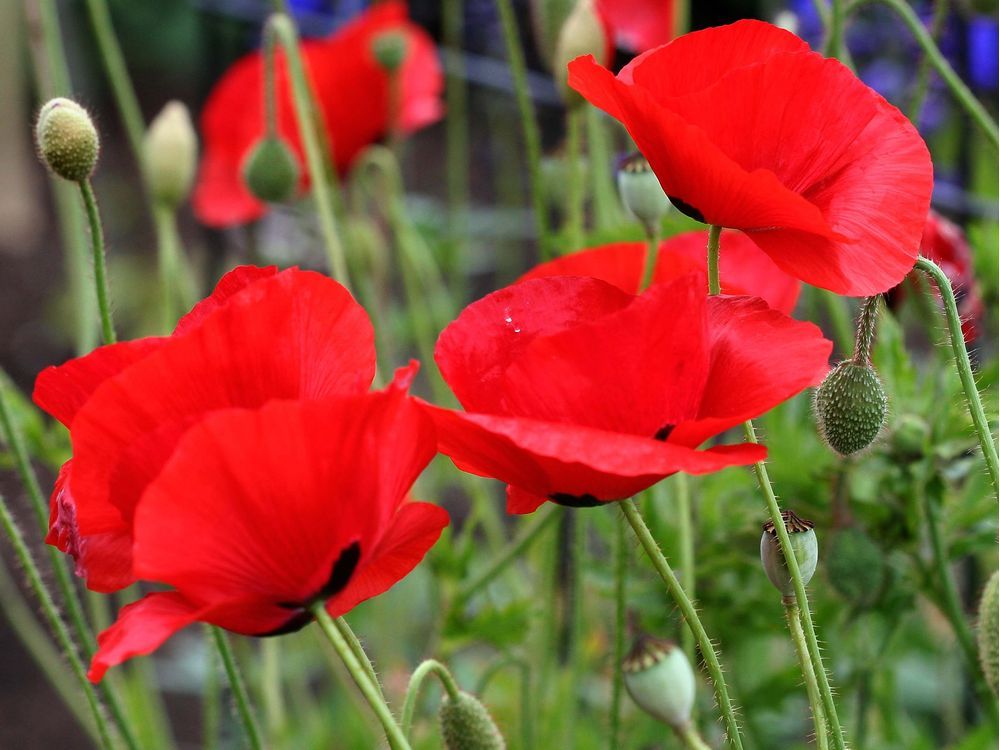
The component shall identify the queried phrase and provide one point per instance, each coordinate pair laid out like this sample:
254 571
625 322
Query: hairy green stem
964 367
685 539
359 652
714 235
690 615
240 695
802 651
621 578
427 667
865 337
397 740
100 264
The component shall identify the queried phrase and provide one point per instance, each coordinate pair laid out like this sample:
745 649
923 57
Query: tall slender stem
174 282
802 651
210 708
690 615
605 199
427 667
281 28
359 652
652 253
924 70
529 125
621 578
397 740
456 125
100 265
964 366
714 235
685 539
574 183
240 696
30 568
835 29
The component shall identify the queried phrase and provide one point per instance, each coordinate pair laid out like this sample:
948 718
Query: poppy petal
230 284
619 264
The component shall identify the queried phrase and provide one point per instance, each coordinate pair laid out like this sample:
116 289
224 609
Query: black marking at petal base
340 574
295 623
664 432
575 501
687 209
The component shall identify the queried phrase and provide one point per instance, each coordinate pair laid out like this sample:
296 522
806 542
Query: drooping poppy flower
746 128
747 270
353 97
261 335
578 392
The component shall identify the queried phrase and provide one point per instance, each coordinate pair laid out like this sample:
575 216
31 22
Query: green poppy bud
467 725
855 567
271 171
582 33
660 680
850 407
390 49
989 626
804 544
67 140
641 192
171 152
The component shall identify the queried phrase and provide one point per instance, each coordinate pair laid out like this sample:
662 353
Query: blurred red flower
746 128
352 93
638 25
746 271
578 392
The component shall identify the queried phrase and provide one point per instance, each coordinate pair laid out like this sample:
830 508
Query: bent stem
359 652
964 367
100 264
684 604
802 651
427 667
714 235
240 695
865 337
397 740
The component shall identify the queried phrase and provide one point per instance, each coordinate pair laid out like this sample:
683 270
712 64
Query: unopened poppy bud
271 171
855 567
660 680
582 33
467 725
390 49
850 407
171 151
803 539
989 625
67 139
641 192
909 436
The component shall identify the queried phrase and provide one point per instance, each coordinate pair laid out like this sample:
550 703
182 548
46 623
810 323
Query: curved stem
802 651
924 71
714 234
621 576
240 695
964 367
529 126
397 740
955 84
100 265
687 609
865 337
359 652
427 667
55 622
280 27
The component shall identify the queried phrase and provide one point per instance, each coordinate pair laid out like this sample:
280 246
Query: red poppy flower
746 271
578 392
352 92
746 128
945 244
260 336
259 513
638 25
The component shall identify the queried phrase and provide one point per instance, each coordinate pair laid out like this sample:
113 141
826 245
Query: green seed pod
67 140
582 33
171 152
803 540
989 625
390 48
641 192
660 680
855 567
467 725
850 407
271 171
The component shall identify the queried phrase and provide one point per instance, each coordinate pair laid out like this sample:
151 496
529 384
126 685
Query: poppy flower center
687 209
575 501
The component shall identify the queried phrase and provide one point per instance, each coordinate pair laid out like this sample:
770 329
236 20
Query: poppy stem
621 578
867 325
270 88
359 652
35 581
605 200
920 88
174 281
210 713
714 235
652 249
426 667
964 367
397 740
100 265
802 650
529 125
685 540
835 29
575 183
690 615
280 27
240 695
456 136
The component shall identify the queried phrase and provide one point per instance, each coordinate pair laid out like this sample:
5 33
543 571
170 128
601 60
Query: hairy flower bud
271 171
582 33
660 680
467 725
804 545
855 567
989 625
850 407
641 192
67 140
390 49
171 152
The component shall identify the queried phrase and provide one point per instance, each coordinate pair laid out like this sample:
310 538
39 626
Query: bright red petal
619 264
232 283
